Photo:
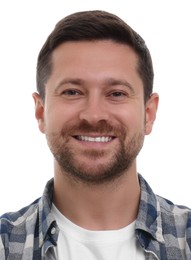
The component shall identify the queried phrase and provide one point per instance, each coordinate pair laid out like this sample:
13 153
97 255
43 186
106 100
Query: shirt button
53 230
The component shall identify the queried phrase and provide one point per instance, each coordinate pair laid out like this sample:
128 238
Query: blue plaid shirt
162 229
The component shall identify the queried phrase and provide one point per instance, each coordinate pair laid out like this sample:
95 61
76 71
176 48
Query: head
92 26
94 78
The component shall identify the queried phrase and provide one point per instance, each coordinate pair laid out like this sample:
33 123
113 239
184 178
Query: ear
151 110
39 111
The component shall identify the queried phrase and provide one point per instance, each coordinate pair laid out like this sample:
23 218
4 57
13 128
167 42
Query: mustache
102 127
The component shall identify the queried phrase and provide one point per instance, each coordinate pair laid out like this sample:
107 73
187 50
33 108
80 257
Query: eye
118 94
71 92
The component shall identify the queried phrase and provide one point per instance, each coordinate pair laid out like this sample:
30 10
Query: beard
119 163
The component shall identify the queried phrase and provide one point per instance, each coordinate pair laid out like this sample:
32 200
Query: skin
95 82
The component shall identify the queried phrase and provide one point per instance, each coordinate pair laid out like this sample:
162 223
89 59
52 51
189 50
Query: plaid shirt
162 229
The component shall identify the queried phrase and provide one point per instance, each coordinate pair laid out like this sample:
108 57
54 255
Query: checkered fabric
162 229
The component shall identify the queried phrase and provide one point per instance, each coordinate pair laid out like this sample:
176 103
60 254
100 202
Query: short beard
120 162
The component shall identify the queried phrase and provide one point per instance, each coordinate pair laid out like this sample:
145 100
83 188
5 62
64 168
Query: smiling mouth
97 139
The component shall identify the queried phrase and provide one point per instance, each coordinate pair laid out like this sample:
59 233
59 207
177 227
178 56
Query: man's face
94 115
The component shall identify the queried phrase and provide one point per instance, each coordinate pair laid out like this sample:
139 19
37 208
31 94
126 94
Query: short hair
92 26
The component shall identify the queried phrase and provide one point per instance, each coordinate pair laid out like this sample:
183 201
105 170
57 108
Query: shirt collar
148 220
48 230
149 215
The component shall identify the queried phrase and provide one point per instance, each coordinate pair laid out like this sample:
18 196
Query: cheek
132 118
57 116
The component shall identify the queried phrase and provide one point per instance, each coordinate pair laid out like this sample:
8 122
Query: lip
94 140
97 139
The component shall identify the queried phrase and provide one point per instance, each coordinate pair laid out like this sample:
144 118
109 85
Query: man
95 105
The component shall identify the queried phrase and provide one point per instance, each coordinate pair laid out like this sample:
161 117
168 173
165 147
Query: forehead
94 60
106 49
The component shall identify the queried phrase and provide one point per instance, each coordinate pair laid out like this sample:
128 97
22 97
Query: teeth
100 139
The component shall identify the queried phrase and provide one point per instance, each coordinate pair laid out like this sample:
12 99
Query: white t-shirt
76 243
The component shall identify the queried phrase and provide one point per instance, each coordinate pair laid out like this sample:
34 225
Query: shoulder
15 227
169 208
24 219
171 218
176 219
24 232
156 204
13 220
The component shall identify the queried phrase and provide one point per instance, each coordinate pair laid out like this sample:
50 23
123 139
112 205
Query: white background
25 160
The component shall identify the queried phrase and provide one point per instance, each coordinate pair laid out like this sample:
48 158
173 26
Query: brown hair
91 26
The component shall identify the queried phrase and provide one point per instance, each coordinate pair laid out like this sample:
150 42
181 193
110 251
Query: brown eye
118 94
71 92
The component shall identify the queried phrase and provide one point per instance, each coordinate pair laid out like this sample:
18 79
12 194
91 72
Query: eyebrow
69 81
106 82
115 82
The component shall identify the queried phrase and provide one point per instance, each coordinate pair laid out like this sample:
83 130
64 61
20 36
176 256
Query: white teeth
100 139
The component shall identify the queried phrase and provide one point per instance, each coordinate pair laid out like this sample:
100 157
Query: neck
98 207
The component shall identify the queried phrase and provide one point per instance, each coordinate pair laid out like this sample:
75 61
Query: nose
94 111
